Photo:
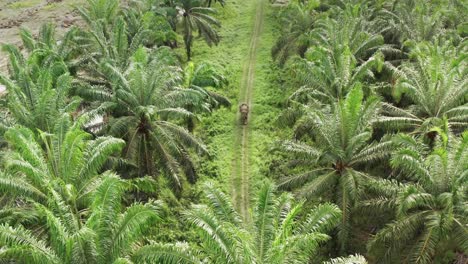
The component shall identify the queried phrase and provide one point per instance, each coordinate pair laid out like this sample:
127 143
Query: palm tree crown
430 213
195 17
335 144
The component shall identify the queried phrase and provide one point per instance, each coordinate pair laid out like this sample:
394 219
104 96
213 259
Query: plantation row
100 153
378 115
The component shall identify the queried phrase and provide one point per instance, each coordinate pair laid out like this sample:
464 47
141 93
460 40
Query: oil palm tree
37 104
41 51
105 11
78 212
146 105
112 35
353 259
430 224
209 2
436 85
276 233
417 21
195 17
39 82
41 166
336 57
299 21
103 233
101 43
326 75
359 36
330 152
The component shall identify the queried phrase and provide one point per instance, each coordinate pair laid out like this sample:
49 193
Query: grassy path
240 170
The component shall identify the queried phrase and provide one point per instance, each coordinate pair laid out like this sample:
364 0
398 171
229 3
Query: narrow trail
240 170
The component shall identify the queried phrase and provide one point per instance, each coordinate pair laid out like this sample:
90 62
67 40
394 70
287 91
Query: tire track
240 170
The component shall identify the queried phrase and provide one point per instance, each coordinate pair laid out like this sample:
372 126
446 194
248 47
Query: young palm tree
42 166
195 17
358 34
150 18
338 58
436 84
102 43
108 235
100 10
39 83
276 233
41 51
37 104
78 216
430 225
334 147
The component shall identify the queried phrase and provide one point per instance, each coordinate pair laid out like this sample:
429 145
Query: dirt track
240 171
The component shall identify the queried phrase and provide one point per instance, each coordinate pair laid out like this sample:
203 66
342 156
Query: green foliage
430 213
275 235
146 104
194 17
79 208
331 147
356 259
437 87
98 122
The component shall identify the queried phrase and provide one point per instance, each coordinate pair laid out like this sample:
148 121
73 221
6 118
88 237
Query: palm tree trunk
209 3
188 45
190 124
188 49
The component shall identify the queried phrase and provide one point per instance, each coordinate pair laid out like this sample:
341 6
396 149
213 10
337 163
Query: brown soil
31 14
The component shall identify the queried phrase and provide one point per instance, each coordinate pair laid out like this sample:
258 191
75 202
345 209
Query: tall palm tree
195 17
146 106
430 224
330 152
276 233
436 84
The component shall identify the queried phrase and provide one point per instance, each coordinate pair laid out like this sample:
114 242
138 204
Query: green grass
24 4
267 99
51 6
217 130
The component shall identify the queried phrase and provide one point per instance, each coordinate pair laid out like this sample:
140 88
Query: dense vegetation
114 149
